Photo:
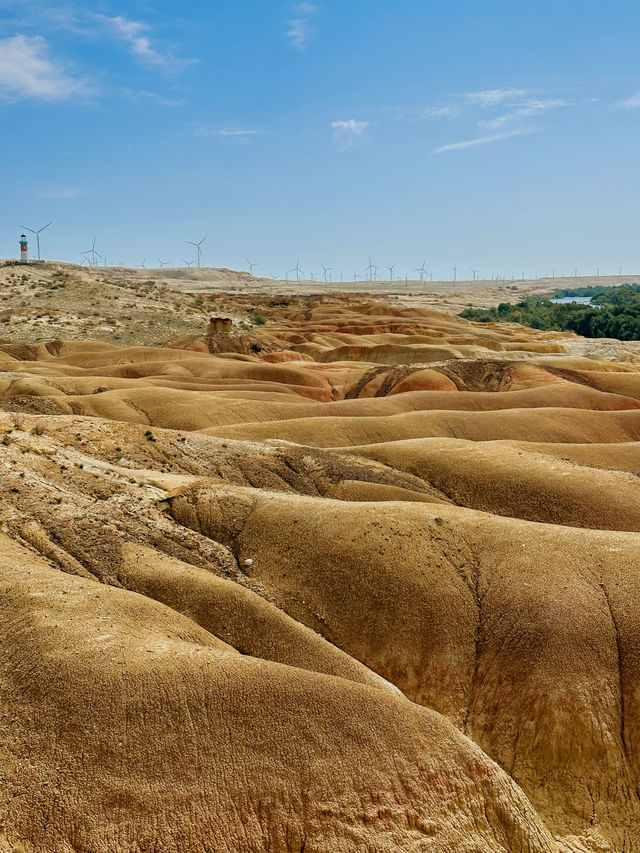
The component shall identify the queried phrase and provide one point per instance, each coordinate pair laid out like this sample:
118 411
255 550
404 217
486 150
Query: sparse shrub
149 435
38 428
258 319
18 420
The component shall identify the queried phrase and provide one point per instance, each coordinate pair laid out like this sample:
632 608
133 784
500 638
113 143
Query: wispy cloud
300 26
497 114
482 140
135 36
631 103
27 70
240 135
492 97
62 193
163 100
348 133
443 111
527 109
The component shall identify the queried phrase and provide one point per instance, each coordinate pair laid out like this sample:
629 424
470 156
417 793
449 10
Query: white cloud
482 140
526 109
134 35
632 103
300 26
233 134
445 111
348 133
62 193
493 97
510 109
153 96
28 71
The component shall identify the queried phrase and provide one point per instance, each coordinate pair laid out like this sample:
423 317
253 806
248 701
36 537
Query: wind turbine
296 270
188 263
143 265
475 273
422 270
252 266
37 233
163 264
455 274
370 269
391 269
325 270
198 248
92 252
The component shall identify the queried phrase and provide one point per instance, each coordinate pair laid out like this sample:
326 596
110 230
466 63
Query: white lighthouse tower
24 249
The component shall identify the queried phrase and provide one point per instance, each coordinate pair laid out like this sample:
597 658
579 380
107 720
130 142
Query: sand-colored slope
538 425
217 762
523 634
239 616
522 481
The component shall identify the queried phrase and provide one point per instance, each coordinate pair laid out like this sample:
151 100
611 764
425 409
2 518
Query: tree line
614 312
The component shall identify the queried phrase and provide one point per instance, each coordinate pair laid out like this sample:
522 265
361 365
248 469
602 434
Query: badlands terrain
355 576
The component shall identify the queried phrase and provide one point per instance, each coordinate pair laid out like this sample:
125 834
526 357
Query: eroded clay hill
356 578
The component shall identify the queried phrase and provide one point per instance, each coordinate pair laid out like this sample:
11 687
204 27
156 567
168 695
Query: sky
500 136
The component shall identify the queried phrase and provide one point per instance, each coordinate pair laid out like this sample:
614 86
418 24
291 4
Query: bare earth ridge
358 575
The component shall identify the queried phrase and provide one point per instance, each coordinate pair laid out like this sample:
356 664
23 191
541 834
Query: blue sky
503 136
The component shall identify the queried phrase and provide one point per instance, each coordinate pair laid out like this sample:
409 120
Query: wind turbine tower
370 270
92 252
325 270
37 233
391 269
198 249
422 270
252 266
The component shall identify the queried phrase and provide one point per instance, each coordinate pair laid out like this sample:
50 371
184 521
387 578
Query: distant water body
582 300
